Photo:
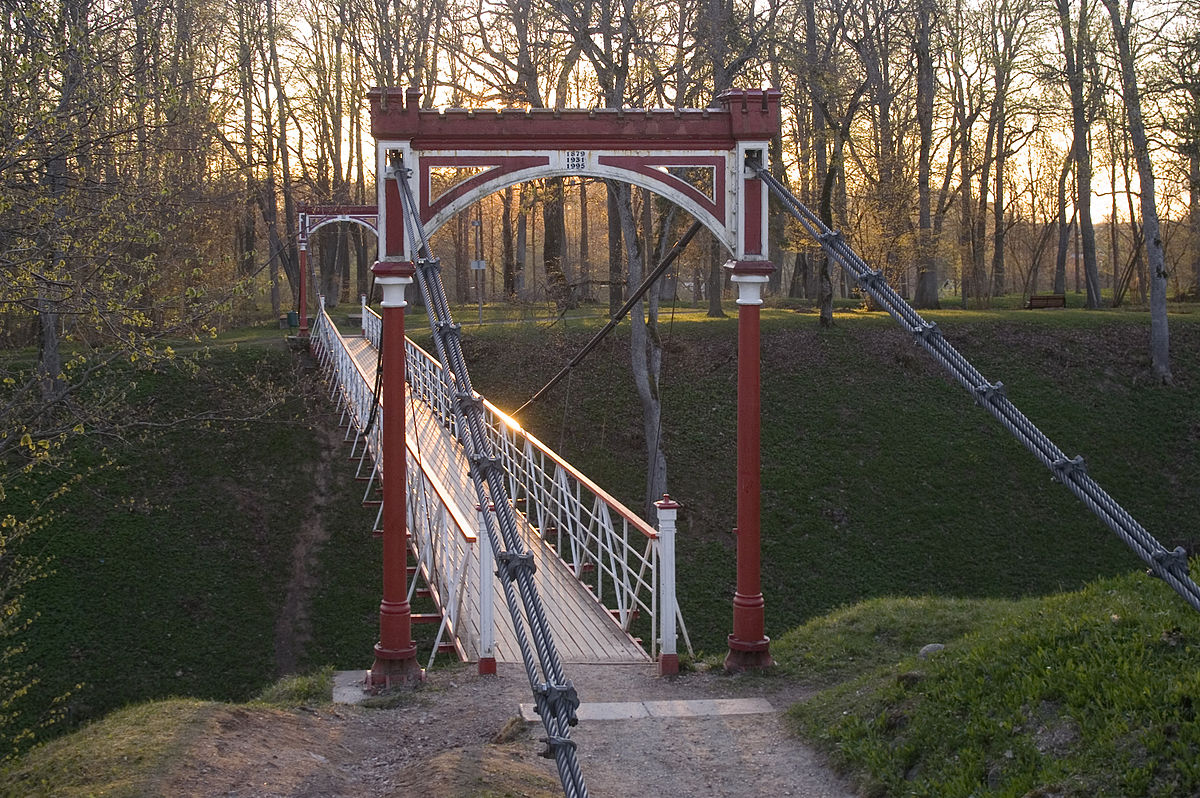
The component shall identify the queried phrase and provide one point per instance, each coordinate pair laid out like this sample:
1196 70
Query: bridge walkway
585 631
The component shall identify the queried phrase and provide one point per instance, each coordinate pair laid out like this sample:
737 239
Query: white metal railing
372 325
618 555
442 539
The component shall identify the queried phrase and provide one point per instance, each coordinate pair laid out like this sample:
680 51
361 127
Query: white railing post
487 622
668 657
362 314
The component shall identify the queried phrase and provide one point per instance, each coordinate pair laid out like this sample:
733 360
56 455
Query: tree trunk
521 278
1160 360
927 271
585 269
1194 214
800 276
1075 51
820 148
646 361
616 297
998 228
1064 228
554 238
509 245
716 279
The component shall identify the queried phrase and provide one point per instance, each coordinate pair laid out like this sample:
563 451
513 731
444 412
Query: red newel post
395 653
303 290
749 647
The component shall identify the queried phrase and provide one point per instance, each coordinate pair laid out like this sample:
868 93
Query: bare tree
1079 55
1180 83
1122 23
928 283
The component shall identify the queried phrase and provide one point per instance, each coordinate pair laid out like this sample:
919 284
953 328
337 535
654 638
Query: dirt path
456 736
293 628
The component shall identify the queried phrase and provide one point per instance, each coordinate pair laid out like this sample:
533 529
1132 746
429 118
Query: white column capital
395 291
749 276
394 277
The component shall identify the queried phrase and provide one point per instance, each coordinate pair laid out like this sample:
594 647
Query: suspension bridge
486 514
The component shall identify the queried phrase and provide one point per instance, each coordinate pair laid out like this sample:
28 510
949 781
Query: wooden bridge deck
584 630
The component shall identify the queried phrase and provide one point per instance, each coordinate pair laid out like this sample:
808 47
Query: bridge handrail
627 578
433 515
373 436
373 330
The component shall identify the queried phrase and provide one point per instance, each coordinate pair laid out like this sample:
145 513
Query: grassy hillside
171 566
880 476
1091 693
169 562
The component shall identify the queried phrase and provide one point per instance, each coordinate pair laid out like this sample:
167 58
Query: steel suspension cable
555 697
1170 566
618 316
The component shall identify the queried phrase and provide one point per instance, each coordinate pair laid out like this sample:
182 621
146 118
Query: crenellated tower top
738 114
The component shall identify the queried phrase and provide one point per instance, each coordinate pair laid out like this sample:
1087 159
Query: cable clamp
872 279
448 329
1173 562
510 563
1064 468
465 400
832 237
926 331
557 695
988 391
483 463
555 743
429 264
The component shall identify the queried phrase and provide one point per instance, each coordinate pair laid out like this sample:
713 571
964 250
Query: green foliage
306 689
1082 694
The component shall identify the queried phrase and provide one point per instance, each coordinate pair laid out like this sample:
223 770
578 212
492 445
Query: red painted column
749 647
303 290
395 653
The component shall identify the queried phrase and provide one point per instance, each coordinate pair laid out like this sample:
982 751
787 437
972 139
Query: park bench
1046 301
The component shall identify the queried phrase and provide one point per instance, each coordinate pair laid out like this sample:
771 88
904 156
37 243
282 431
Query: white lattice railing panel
444 541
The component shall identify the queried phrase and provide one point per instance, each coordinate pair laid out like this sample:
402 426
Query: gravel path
460 734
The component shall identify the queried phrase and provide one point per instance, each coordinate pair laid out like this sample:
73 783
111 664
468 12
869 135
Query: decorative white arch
312 218
683 195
